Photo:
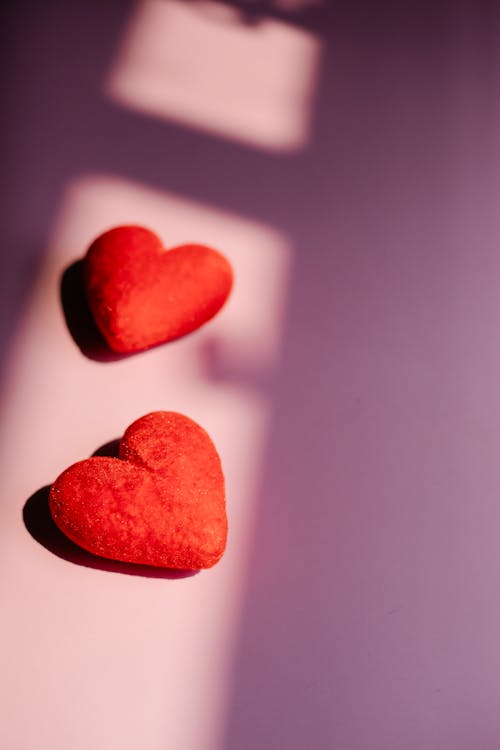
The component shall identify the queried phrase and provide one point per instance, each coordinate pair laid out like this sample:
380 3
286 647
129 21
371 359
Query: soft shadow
255 12
79 320
110 450
40 524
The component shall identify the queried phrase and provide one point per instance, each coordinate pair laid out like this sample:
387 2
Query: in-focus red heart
162 502
141 295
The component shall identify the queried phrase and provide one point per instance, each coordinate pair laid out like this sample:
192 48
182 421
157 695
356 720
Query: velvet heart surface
161 503
142 295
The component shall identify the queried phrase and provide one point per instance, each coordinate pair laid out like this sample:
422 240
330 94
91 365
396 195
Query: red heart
160 503
141 295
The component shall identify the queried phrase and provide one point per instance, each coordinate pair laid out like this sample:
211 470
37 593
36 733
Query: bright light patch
64 406
197 64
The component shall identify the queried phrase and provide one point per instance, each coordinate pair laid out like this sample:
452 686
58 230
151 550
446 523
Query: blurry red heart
141 295
162 502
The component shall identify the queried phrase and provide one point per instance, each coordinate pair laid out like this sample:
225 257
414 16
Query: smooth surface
351 386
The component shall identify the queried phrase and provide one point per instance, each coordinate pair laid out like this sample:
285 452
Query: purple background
372 609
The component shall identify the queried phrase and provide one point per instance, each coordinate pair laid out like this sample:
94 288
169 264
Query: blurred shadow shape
219 364
79 320
253 12
41 526
109 450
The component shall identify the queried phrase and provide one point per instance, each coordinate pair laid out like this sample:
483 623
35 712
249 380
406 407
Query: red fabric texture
161 503
141 295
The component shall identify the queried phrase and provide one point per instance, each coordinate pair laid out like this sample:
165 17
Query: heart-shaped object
141 295
162 502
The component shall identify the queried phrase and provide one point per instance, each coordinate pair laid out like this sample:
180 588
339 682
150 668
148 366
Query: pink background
358 605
